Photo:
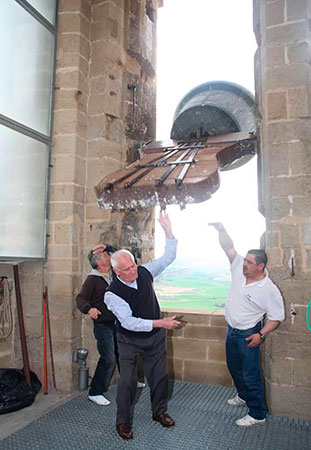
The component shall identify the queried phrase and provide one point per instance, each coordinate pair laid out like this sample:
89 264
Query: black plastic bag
15 393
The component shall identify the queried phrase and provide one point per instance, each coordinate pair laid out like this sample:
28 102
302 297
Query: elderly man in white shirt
252 295
140 329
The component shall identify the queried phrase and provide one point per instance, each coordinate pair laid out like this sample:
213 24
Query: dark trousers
107 348
154 358
243 364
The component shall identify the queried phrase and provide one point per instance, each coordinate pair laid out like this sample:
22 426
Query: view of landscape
182 286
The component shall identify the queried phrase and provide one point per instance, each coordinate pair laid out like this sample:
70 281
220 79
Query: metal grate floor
203 422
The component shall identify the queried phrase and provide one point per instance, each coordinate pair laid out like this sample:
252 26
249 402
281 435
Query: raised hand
98 248
165 223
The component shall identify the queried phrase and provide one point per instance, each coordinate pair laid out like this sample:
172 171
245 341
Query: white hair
116 256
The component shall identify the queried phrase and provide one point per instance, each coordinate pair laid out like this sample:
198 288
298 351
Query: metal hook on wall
133 88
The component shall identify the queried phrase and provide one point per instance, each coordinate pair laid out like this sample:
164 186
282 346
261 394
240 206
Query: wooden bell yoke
174 172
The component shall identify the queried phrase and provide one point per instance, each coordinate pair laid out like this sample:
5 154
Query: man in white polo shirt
252 295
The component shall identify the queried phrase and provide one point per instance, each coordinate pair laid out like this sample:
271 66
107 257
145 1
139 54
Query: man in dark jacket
91 301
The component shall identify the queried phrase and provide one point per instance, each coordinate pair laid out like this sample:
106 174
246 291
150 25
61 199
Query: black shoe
124 431
164 419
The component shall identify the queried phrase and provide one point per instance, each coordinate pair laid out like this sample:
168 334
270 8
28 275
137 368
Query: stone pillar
121 115
67 184
283 91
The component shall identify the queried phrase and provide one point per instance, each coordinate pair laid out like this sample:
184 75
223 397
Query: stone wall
283 91
105 105
196 351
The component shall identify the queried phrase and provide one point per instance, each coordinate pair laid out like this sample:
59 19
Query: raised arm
165 223
225 240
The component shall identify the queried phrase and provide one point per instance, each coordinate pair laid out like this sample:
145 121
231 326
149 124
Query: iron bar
161 180
149 169
109 186
185 169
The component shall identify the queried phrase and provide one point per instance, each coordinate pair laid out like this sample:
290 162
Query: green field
193 288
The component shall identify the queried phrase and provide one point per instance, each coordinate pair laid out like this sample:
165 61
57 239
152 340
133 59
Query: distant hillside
195 287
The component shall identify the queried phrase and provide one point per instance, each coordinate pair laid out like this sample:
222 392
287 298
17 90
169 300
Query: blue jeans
108 350
243 364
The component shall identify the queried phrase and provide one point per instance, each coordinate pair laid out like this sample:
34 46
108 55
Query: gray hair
118 255
93 257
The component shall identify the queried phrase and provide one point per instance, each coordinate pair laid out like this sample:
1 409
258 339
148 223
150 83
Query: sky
211 40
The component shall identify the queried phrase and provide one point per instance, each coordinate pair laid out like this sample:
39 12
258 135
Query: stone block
290 401
90 195
66 233
108 103
106 50
97 127
277 105
67 168
216 351
108 29
195 332
285 77
297 185
298 53
206 333
298 103
176 333
275 56
115 129
306 233
296 291
188 349
65 192
297 323
175 368
218 320
301 206
73 23
70 99
93 212
295 345
207 373
33 326
278 208
97 169
81 125
69 144
192 318
274 13
275 256
102 148
66 375
297 10
272 239
69 5
65 122
279 159
287 33
61 210
300 158
279 370
64 265
72 43
60 303
62 251
65 329
289 235
60 284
